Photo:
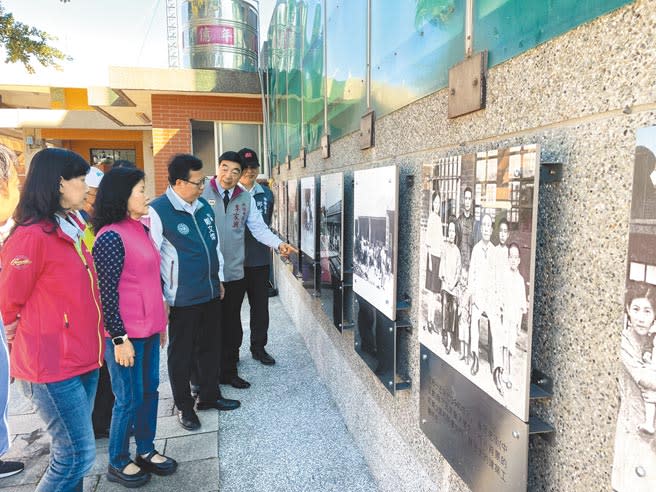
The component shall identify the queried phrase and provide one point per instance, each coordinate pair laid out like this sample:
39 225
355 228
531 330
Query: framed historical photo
282 210
477 251
293 222
375 233
292 212
634 462
331 240
308 216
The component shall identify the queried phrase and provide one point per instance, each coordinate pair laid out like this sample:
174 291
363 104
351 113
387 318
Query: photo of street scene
375 205
477 244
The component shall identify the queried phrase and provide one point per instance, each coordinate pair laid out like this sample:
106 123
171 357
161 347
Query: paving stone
170 427
32 445
193 447
90 483
26 423
165 407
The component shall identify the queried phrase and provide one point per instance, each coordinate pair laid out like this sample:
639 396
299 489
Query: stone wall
581 97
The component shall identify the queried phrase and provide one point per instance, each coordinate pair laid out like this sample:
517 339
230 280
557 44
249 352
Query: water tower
218 34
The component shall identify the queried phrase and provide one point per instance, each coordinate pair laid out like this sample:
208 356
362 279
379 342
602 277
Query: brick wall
172 115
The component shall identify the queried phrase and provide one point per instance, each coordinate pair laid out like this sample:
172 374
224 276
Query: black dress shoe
188 420
263 357
130 481
223 404
168 467
236 382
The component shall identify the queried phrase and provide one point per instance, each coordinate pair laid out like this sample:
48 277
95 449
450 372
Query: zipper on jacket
207 252
78 248
171 277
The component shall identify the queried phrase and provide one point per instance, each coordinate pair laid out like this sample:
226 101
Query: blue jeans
135 390
65 407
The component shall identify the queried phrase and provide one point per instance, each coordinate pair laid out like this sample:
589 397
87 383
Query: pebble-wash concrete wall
581 97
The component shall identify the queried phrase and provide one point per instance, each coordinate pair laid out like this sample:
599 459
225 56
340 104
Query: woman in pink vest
135 322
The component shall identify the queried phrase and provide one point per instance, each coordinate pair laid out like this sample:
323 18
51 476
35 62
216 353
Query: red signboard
215 34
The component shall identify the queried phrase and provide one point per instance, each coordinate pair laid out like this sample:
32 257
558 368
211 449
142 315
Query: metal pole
264 154
326 128
469 28
302 84
369 54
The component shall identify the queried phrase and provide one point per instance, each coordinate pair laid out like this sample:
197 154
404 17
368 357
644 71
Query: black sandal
167 467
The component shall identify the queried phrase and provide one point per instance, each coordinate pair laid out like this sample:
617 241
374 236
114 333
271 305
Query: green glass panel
413 44
346 34
313 116
277 85
509 27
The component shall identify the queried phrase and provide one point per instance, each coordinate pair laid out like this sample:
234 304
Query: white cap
94 177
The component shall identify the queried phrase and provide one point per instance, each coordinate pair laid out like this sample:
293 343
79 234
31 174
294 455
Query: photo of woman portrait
634 466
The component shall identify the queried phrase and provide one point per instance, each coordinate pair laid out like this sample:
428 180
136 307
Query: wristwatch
120 340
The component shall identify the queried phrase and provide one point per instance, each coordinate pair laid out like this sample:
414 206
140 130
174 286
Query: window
210 139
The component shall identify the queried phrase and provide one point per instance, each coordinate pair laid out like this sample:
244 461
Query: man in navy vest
182 226
235 211
257 262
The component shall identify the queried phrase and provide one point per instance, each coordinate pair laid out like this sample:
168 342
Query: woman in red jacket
48 284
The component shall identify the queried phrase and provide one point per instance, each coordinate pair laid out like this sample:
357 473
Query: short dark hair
111 204
232 156
468 189
504 221
180 165
40 199
123 163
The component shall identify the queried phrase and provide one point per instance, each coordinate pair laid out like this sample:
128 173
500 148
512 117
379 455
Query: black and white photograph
275 223
292 212
375 205
282 209
634 462
308 219
330 244
477 250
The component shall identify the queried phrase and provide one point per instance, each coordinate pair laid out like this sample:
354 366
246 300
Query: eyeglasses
198 184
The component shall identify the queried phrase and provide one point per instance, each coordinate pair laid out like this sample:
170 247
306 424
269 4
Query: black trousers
194 346
104 402
232 329
257 289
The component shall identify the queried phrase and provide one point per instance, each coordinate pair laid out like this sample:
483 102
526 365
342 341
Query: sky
98 34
